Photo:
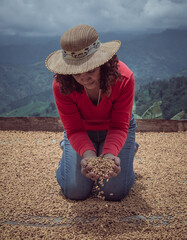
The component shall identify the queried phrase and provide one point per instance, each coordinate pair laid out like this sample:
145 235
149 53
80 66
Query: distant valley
26 84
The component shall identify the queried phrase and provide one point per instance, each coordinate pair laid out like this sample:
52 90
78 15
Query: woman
94 94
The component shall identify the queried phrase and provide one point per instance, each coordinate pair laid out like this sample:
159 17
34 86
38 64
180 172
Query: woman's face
90 79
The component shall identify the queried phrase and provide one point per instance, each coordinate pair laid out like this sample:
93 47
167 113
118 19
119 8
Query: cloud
43 17
169 13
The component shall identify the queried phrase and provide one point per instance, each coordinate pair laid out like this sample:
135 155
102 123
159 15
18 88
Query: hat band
76 55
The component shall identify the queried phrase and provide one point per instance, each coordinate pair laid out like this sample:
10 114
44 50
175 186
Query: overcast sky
53 17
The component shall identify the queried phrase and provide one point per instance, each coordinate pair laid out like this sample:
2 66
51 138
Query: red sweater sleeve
120 118
71 120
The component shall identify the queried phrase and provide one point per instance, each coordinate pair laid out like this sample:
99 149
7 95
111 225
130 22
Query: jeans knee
75 193
116 193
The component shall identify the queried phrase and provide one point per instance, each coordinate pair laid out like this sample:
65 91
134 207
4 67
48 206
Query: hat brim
57 64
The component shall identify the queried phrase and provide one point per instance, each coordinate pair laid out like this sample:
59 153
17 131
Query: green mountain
150 56
40 104
171 94
18 82
25 81
157 56
159 100
34 109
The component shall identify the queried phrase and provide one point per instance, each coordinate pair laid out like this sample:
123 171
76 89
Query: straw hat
81 51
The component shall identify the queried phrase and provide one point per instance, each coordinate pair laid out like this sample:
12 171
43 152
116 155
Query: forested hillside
18 82
172 95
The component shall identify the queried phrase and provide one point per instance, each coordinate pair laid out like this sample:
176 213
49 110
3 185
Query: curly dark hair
109 75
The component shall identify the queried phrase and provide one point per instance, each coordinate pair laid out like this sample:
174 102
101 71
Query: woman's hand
85 168
116 167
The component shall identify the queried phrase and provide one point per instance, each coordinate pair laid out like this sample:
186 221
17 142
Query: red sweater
78 114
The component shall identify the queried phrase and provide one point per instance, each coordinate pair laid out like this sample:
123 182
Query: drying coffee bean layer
33 207
101 166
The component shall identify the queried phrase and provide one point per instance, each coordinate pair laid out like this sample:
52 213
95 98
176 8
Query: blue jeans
76 186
